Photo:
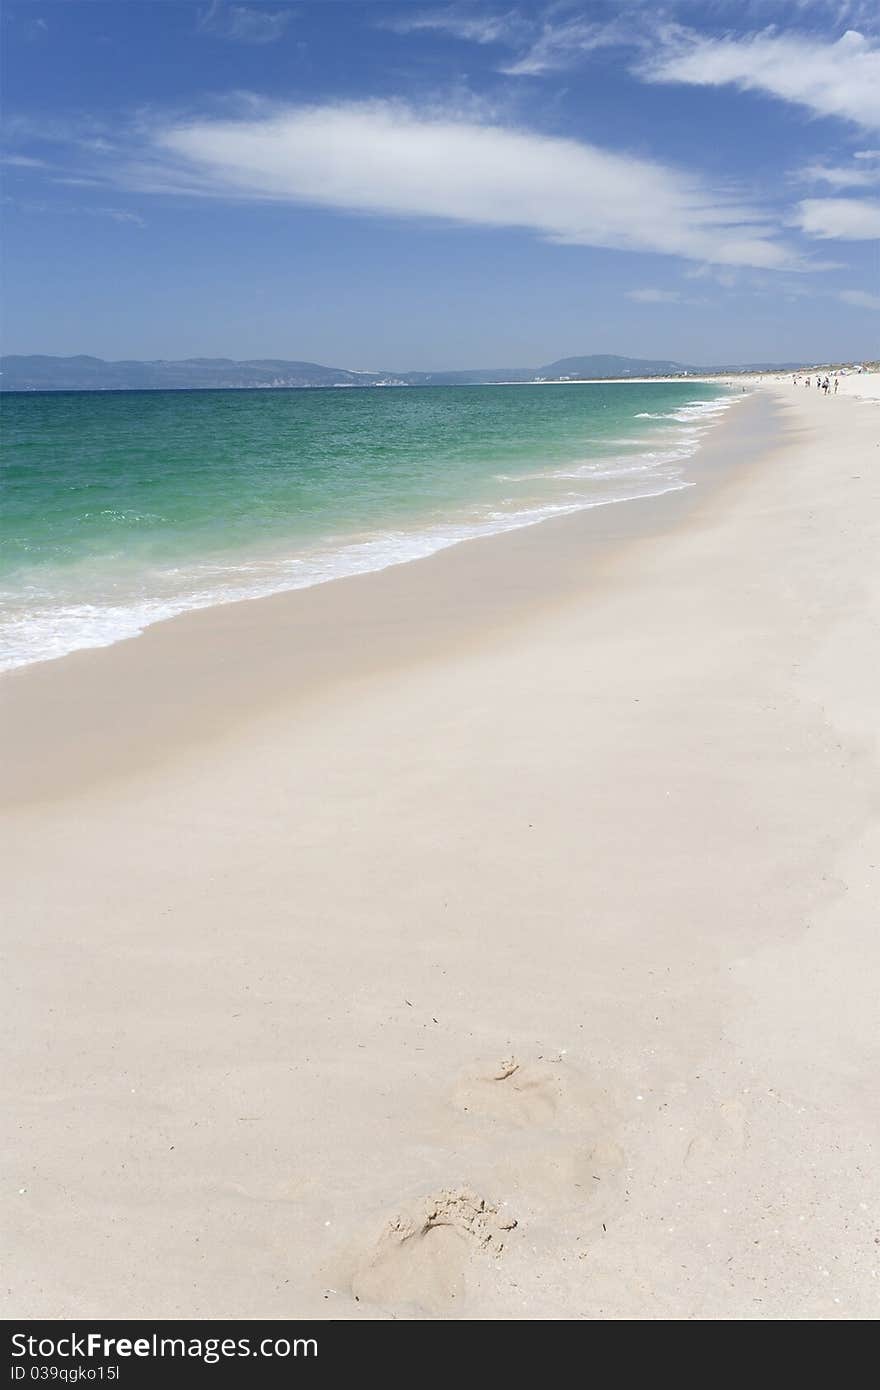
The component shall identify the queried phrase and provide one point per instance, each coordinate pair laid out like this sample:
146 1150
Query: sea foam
39 622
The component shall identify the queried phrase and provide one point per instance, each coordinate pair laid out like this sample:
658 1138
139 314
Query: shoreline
94 679
491 937
34 627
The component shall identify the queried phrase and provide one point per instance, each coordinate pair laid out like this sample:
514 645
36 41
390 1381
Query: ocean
119 509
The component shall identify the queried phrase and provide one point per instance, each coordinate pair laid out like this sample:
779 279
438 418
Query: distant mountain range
38 373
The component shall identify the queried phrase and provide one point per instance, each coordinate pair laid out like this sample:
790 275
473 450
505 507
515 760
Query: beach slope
493 937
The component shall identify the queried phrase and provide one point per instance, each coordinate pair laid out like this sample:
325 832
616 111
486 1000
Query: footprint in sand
422 1257
538 1094
544 1131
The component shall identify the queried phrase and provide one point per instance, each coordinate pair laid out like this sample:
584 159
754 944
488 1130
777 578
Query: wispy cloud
77 181
460 23
120 215
562 45
649 296
863 176
35 29
845 219
548 44
86 132
860 298
840 78
22 161
830 76
387 158
721 275
57 208
242 23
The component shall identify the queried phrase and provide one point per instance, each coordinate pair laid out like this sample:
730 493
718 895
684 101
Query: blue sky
399 185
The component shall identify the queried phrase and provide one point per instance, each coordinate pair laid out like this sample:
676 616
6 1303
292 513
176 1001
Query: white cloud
560 46
545 47
653 296
23 161
847 219
867 154
241 23
835 177
830 79
860 298
386 158
119 215
461 24
726 278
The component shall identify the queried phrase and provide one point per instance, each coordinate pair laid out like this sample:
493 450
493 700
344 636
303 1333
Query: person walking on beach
836 384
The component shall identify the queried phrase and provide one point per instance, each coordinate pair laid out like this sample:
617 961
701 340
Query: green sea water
118 509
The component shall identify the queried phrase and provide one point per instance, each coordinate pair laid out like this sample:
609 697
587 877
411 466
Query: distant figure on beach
807 382
836 384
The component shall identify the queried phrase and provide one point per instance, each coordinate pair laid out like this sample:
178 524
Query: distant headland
43 373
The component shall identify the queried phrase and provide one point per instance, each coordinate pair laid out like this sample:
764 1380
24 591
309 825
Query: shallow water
123 508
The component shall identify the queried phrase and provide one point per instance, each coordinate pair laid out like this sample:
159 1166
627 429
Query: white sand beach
493 937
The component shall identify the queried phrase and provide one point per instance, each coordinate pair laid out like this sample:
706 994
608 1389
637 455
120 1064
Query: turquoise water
123 508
